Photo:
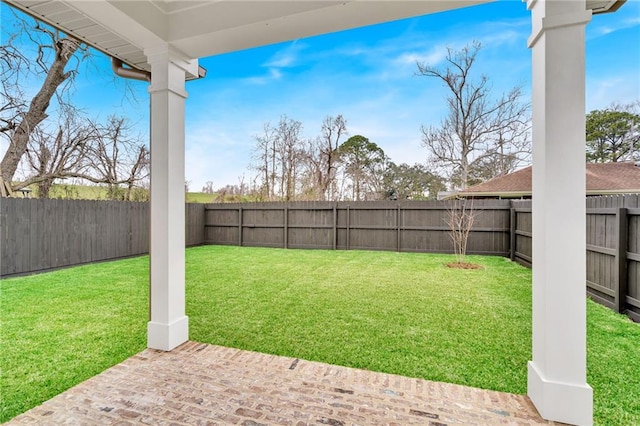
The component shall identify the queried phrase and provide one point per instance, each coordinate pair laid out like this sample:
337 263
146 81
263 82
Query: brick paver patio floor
201 384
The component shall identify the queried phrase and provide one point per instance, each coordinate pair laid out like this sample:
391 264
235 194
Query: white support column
557 374
168 326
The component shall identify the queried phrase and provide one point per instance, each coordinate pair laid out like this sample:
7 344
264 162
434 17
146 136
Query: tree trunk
44 188
65 49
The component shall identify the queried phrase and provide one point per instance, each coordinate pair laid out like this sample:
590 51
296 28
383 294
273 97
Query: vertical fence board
620 274
334 239
286 227
633 255
37 236
43 234
194 224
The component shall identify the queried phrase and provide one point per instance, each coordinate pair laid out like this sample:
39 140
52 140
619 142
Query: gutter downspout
118 69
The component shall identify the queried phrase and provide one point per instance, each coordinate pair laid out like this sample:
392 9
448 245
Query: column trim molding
558 21
554 399
166 337
182 93
167 53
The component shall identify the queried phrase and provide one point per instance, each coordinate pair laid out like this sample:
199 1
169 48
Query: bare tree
279 154
264 157
58 155
208 187
477 129
233 193
288 142
20 118
98 153
460 217
117 159
322 157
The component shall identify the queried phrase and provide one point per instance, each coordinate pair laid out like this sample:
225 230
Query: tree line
331 166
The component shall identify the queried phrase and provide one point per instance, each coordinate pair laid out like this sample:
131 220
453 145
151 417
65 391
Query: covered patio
203 384
162 40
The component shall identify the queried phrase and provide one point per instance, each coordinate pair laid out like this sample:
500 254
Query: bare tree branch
477 130
20 121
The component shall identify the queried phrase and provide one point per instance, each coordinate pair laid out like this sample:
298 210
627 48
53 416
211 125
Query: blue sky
367 75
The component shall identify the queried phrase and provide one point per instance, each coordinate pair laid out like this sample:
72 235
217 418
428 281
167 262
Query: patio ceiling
123 29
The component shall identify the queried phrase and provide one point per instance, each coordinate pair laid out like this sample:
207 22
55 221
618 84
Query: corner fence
613 249
43 234
39 234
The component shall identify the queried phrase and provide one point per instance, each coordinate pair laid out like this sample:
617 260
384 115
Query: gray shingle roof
602 178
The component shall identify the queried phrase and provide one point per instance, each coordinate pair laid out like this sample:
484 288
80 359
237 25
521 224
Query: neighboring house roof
602 179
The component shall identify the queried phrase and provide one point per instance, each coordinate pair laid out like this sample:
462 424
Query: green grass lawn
99 192
199 197
400 313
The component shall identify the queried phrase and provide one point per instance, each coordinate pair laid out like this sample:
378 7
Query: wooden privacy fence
521 233
415 226
43 234
613 249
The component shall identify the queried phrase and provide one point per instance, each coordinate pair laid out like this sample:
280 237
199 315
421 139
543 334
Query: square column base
561 402
166 337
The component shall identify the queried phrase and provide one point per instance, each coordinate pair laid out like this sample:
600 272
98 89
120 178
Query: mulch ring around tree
463 265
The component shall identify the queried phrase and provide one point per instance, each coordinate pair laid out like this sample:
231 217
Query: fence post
620 273
286 226
334 243
398 225
512 232
240 226
348 224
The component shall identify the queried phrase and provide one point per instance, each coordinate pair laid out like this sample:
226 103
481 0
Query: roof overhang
123 29
509 194
604 6
612 191
523 194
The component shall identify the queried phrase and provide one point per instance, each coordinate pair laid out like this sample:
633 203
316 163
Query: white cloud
273 74
599 28
432 57
601 31
602 91
287 56
282 60
218 150
631 22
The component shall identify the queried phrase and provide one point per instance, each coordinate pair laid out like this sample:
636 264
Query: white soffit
124 28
